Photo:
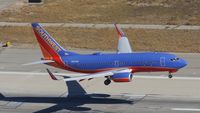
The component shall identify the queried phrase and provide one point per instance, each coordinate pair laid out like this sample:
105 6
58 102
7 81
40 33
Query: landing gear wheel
107 82
170 76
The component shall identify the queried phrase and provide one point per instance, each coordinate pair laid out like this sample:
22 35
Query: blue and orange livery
119 66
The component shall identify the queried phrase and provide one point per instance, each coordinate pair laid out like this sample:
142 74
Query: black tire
170 76
107 82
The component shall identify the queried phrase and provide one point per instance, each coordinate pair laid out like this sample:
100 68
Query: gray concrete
4 4
31 92
100 26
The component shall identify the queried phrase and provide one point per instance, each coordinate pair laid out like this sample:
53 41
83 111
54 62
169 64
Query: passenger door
162 61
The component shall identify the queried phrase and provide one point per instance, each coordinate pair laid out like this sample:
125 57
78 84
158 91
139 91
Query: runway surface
29 89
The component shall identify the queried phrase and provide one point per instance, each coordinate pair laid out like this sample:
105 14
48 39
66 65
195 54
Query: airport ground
175 30
172 40
25 89
30 89
169 12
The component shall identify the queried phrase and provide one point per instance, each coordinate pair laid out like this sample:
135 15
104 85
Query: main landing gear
107 81
170 75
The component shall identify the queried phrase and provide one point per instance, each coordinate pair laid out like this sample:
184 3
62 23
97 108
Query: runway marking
13 104
135 97
165 77
80 74
185 109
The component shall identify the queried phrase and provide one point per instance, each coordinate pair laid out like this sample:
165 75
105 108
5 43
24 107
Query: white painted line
131 95
185 109
165 77
135 97
80 74
13 104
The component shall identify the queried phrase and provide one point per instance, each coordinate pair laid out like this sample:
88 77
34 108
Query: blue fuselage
143 61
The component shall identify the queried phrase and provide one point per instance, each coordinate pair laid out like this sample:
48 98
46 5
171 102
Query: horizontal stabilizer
39 62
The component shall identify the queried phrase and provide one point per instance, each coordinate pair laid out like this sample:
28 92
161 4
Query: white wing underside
95 75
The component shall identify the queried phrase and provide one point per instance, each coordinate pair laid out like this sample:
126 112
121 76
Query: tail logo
46 37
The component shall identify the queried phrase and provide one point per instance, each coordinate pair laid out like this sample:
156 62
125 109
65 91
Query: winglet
51 75
119 31
123 43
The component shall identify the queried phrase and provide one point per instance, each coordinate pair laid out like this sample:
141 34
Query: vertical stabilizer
49 47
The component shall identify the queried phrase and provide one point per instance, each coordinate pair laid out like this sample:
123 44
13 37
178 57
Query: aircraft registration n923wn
117 67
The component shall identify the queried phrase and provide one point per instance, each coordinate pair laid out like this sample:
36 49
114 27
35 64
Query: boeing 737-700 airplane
117 67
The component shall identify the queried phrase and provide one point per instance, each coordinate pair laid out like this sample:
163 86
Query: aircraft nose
183 63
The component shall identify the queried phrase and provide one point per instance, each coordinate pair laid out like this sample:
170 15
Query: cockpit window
175 59
172 59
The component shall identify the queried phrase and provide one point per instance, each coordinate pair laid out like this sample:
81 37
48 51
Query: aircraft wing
123 43
95 75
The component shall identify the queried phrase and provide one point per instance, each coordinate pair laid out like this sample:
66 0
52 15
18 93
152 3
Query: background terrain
176 12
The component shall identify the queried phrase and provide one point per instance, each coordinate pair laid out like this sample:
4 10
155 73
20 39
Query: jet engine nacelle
122 77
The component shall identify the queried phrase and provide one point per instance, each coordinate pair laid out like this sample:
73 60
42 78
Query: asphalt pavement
30 89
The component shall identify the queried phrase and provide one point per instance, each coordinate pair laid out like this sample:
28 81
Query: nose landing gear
107 82
170 75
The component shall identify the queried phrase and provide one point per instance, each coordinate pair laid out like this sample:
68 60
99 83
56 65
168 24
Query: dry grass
106 39
109 11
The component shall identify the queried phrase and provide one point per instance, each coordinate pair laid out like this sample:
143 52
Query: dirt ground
107 39
107 11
